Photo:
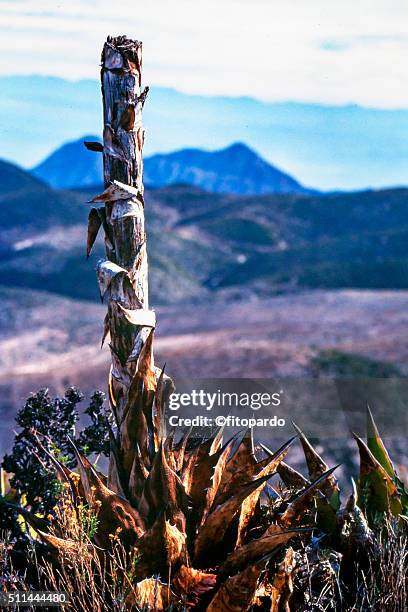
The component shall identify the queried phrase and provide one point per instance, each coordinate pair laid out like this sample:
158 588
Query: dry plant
382 586
94 578
204 533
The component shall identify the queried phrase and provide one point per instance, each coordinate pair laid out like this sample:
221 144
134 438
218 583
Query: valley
52 341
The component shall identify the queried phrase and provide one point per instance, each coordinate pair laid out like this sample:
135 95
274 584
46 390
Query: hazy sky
332 51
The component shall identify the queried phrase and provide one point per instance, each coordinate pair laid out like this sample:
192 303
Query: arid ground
55 342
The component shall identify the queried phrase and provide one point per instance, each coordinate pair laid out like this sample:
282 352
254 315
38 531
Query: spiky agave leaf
137 477
240 469
179 450
300 503
291 477
256 549
163 489
378 449
218 459
64 474
377 492
116 515
213 530
237 593
317 466
266 467
162 392
202 467
376 445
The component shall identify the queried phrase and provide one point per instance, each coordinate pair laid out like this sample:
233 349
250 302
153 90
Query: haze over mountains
236 169
326 147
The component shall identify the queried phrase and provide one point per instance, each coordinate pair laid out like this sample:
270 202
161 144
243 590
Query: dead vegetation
206 531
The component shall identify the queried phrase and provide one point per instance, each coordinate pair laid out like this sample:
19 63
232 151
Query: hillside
236 169
201 242
43 236
340 240
27 204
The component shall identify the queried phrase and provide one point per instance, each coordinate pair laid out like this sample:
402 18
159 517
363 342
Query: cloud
375 42
335 45
348 52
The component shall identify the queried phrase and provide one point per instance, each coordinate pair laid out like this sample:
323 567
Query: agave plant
191 513
193 517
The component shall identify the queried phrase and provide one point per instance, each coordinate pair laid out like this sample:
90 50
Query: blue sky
328 51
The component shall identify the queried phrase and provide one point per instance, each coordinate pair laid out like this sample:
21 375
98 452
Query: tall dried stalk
123 276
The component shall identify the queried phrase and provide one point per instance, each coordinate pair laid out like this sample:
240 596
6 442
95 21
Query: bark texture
123 275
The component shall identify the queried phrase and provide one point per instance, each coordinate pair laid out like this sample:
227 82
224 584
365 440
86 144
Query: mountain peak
239 148
72 165
236 169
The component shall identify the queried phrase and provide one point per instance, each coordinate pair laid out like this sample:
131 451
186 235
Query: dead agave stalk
123 275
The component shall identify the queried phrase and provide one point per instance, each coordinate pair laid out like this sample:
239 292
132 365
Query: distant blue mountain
71 165
329 147
236 169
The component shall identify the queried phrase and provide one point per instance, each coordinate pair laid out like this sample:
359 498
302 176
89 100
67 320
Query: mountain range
236 169
201 243
328 147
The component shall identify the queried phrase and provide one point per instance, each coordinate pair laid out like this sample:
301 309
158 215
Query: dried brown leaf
163 490
282 587
149 594
317 466
162 547
237 593
193 585
94 223
257 549
115 512
240 469
300 503
116 191
216 524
